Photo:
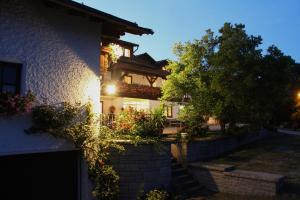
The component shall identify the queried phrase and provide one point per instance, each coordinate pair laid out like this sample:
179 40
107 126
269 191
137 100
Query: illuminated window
127 53
127 79
169 111
10 76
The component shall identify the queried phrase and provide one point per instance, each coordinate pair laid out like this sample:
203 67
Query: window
127 79
127 53
169 111
10 77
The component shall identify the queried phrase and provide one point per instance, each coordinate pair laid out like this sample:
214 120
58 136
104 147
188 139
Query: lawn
277 154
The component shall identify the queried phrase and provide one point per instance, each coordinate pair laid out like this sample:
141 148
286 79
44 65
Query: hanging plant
115 52
12 104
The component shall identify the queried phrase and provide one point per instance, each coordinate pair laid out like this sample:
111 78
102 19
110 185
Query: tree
234 68
226 76
276 100
190 78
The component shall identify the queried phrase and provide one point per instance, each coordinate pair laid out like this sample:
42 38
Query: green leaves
228 77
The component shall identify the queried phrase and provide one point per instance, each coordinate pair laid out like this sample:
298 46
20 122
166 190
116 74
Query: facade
132 81
52 48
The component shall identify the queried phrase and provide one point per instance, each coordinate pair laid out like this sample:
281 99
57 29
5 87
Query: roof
97 15
106 40
146 59
142 64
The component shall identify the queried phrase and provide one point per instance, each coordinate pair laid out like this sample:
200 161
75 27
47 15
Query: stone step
175 166
189 183
181 178
193 191
184 183
173 160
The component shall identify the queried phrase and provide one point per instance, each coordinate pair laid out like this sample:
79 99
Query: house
132 81
53 49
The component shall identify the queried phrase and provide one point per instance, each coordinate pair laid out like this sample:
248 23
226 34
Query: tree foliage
228 77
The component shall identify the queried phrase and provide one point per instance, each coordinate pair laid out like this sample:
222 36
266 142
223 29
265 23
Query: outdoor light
111 89
298 95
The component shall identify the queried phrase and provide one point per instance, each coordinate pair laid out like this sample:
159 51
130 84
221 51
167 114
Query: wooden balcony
133 91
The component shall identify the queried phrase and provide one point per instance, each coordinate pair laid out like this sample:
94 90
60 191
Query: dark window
169 111
10 77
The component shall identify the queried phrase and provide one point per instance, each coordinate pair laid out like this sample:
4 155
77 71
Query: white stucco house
53 48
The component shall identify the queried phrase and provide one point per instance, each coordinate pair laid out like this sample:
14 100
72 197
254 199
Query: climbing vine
78 124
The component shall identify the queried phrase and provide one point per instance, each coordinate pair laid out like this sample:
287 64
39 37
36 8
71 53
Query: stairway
184 185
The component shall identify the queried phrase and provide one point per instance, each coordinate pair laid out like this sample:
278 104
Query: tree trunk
223 128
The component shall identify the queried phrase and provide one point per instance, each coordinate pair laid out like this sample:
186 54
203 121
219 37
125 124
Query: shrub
151 125
48 118
106 182
157 194
139 123
194 122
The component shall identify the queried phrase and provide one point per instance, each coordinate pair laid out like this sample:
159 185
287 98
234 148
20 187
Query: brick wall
142 168
225 178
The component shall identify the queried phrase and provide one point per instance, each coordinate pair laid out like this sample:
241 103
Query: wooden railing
134 91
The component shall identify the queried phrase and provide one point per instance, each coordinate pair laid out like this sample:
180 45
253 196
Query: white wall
112 101
60 58
142 80
59 52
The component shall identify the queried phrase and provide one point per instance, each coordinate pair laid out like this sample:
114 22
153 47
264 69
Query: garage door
39 176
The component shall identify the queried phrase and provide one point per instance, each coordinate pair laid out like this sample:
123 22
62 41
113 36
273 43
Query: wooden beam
151 79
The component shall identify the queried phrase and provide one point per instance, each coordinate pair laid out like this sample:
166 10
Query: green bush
106 182
194 122
48 118
139 123
157 194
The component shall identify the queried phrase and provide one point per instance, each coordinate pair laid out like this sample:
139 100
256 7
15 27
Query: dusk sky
277 21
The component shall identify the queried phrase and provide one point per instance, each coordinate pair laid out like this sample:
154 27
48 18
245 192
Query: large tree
226 76
190 80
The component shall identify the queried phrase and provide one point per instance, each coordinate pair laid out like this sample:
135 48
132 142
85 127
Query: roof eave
129 27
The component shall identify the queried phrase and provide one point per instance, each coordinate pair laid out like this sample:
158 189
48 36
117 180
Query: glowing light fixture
111 89
298 95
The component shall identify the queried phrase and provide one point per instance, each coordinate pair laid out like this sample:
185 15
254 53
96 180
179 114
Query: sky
277 21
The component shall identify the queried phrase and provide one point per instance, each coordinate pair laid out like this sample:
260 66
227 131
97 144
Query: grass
278 154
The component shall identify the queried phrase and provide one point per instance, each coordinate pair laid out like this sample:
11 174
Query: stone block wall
225 178
142 168
206 149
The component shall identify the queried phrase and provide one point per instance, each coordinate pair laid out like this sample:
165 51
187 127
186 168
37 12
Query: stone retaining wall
225 178
142 168
206 149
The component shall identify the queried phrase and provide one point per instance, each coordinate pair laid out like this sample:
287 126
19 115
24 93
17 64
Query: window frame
167 109
18 67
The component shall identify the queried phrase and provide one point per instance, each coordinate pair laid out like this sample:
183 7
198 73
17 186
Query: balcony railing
134 91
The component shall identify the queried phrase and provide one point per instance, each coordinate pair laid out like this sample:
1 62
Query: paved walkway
290 132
